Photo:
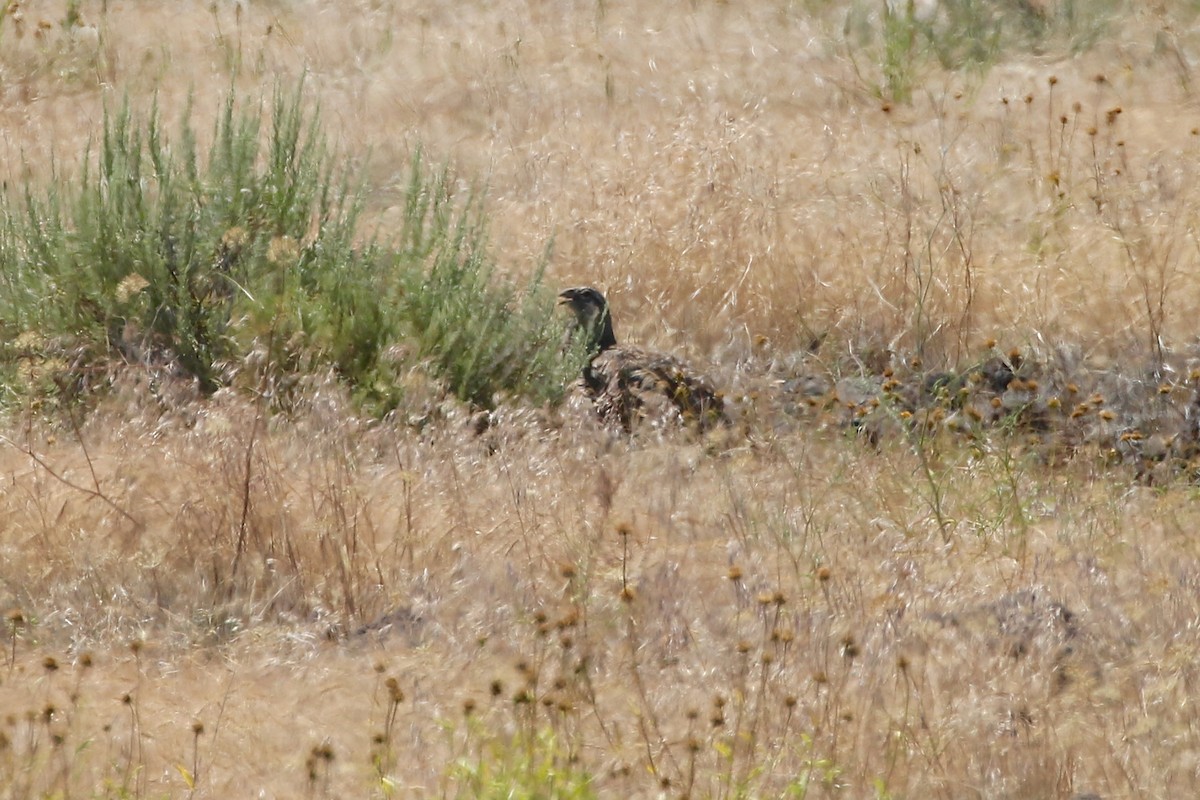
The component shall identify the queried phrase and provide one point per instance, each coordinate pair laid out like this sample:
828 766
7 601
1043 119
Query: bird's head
591 316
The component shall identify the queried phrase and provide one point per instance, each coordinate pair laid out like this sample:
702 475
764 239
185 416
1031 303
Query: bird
628 384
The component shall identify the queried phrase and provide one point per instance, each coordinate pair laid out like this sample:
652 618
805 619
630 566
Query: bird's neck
604 336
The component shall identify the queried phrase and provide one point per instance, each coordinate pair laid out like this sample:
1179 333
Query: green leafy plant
246 265
520 768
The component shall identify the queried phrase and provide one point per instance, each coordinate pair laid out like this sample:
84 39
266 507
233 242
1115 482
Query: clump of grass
245 265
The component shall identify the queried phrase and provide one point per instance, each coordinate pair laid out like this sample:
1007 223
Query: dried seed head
849 646
824 573
735 573
50 664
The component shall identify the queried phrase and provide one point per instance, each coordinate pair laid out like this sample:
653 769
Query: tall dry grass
790 616
206 601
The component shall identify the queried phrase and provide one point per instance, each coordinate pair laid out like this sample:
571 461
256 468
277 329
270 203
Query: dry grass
793 613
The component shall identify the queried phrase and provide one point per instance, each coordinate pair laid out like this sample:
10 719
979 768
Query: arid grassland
292 502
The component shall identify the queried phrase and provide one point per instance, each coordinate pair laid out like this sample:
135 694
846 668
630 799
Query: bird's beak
564 299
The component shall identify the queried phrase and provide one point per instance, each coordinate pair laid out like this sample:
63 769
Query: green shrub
482 335
905 36
247 267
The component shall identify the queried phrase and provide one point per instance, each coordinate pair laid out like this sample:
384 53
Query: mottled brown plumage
628 384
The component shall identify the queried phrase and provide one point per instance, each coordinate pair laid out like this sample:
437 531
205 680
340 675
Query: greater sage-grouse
628 384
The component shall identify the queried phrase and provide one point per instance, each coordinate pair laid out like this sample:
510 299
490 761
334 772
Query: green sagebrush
247 265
